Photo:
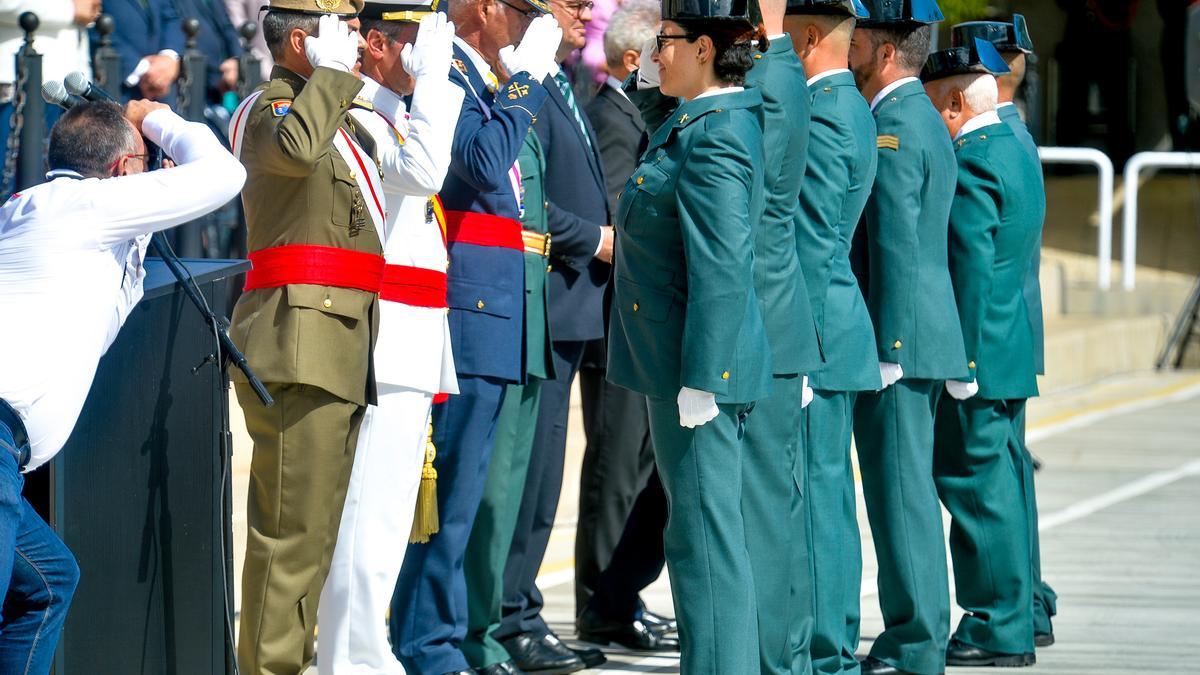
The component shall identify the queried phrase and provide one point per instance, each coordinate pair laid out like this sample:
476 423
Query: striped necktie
564 86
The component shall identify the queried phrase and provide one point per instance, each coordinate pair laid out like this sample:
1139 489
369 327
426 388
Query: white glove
537 51
335 46
890 373
647 72
806 393
696 407
962 391
433 50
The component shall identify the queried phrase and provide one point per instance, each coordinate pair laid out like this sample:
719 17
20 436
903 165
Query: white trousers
373 535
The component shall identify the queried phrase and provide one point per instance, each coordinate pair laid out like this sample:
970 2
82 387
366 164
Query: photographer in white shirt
71 271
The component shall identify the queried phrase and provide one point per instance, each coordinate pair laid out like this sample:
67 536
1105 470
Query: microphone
78 84
54 93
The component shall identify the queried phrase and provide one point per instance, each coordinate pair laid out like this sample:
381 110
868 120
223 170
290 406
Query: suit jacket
539 359
778 280
902 266
217 39
576 207
620 138
299 190
685 312
1033 284
837 182
995 225
141 31
486 285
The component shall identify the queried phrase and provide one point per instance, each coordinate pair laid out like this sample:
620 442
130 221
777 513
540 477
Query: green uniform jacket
995 226
837 182
299 190
905 276
1033 284
684 311
538 360
780 285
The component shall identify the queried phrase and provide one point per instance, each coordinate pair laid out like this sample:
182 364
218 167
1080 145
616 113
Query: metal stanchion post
193 97
250 65
107 62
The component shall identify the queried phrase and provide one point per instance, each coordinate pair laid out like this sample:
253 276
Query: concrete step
1083 350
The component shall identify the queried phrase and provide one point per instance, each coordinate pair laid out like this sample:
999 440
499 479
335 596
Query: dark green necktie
564 86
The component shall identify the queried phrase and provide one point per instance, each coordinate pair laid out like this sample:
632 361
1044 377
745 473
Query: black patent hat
900 13
1006 36
980 57
853 8
744 10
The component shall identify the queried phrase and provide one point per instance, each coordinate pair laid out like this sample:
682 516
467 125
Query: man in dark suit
217 40
149 39
578 216
622 506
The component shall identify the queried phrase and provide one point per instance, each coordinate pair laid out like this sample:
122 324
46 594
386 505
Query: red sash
414 286
482 229
317 265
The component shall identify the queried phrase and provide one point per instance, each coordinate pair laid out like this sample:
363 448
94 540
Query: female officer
686 328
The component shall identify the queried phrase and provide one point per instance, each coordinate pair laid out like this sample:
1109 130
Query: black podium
137 493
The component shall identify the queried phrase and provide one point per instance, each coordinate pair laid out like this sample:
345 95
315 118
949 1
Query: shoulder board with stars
887 141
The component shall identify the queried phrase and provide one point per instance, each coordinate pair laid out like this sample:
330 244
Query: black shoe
962 654
633 635
536 656
1043 639
461 672
659 623
591 658
873 666
505 668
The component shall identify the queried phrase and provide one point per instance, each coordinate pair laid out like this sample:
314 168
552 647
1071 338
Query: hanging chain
16 124
182 86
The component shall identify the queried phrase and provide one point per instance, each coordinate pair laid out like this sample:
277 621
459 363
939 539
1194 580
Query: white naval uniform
71 253
413 361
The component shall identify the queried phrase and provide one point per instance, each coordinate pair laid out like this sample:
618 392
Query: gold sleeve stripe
888 141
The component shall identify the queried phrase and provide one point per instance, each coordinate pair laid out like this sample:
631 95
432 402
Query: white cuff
169 52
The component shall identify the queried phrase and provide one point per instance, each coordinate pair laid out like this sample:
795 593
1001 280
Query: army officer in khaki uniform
686 327
306 320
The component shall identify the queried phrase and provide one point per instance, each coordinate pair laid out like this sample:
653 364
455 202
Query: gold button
353 176
635 307
328 303
545 205
725 375
971 364
983 137
897 345
549 267
479 304
640 180
828 89
758 56
344 103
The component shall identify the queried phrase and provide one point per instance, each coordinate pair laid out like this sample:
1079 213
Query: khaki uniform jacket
299 190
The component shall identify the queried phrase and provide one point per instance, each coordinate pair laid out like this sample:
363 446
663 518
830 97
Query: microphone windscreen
77 83
54 93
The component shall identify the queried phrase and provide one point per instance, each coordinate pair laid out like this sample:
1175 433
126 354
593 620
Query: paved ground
1119 497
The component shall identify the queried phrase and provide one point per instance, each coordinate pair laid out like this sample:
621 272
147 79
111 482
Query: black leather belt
10 419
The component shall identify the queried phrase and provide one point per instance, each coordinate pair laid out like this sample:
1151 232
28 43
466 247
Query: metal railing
1104 208
1133 169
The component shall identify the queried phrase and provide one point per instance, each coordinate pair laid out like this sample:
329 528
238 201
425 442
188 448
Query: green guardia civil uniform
905 278
841 171
995 227
492 531
310 343
773 466
685 314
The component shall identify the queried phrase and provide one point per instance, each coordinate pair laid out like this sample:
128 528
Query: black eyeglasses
577 8
660 40
527 13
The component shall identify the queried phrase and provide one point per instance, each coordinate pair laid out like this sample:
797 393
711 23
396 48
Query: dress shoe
633 635
505 668
536 656
873 666
962 654
1043 639
461 672
659 623
591 658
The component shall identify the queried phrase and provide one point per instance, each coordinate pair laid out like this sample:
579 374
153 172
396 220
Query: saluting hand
335 45
647 72
537 51
433 50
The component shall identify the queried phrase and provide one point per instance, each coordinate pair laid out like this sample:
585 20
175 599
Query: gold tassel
425 520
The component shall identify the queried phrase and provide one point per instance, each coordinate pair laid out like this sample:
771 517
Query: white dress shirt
62 43
828 73
978 122
889 89
413 348
71 253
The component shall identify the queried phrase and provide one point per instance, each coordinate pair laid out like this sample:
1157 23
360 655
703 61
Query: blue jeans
38 575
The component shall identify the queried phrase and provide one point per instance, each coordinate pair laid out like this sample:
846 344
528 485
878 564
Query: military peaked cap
900 13
1007 36
853 8
979 57
346 8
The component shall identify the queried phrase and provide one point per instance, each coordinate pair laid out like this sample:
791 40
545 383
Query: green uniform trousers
303 450
705 539
979 475
1045 600
773 468
893 430
832 514
492 531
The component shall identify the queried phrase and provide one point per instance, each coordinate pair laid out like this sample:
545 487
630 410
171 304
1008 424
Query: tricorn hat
1006 36
900 13
745 10
853 8
980 56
